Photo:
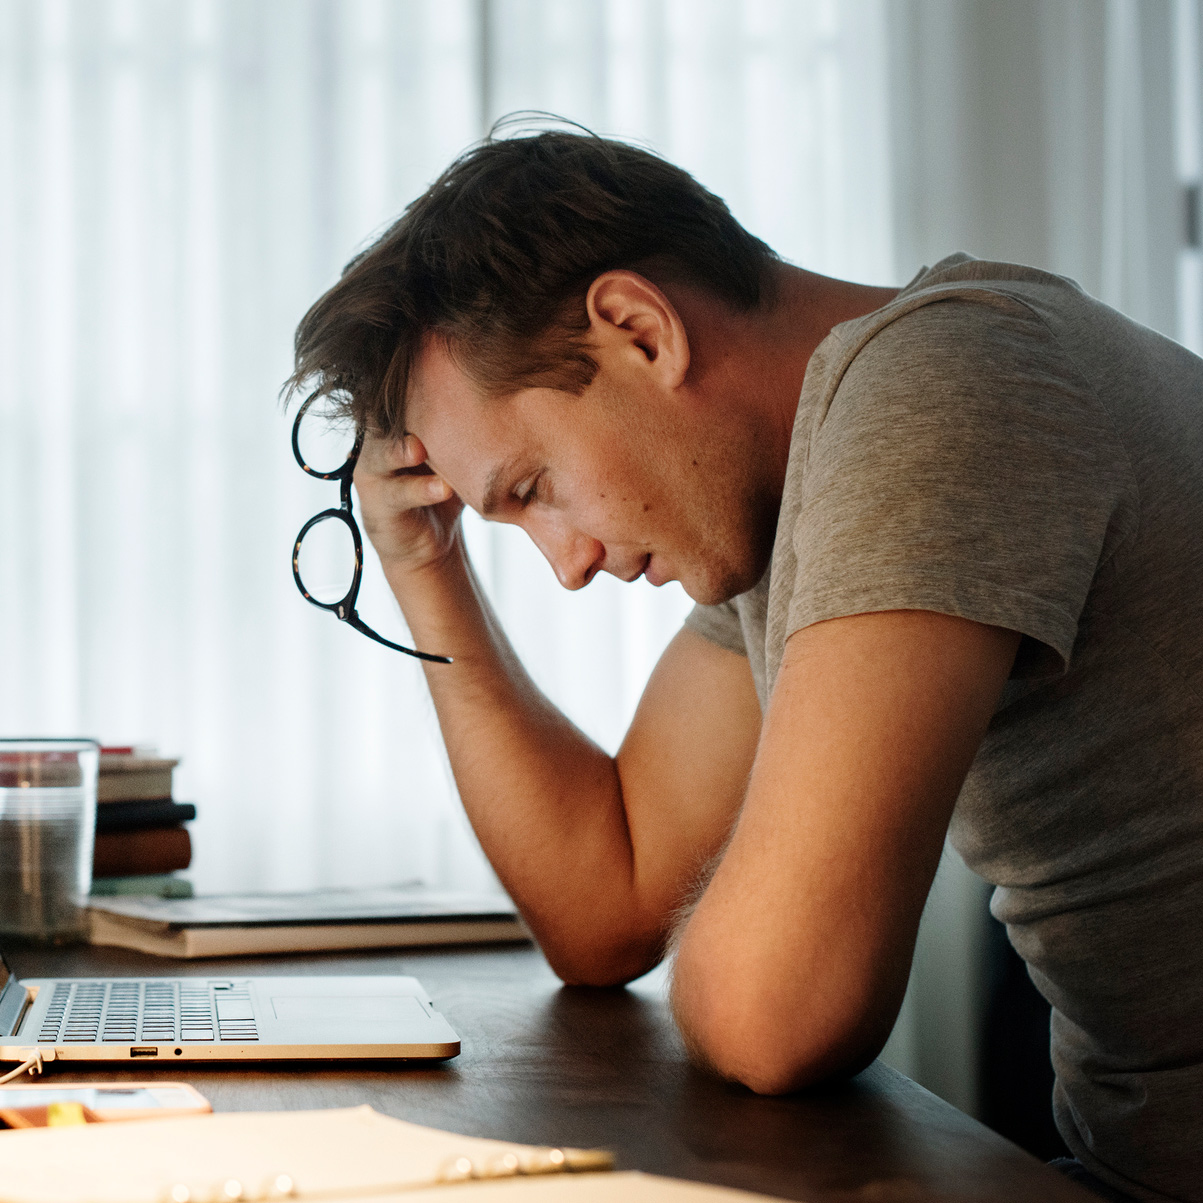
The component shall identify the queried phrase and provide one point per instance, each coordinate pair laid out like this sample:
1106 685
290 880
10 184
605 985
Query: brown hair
496 257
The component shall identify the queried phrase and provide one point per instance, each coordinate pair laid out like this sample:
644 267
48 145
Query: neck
748 367
771 348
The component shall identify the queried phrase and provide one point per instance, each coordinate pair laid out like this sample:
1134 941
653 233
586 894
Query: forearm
793 965
545 801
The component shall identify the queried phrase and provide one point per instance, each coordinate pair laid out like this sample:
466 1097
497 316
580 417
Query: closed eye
527 490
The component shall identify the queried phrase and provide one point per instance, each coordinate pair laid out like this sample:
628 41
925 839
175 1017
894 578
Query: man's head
526 318
496 258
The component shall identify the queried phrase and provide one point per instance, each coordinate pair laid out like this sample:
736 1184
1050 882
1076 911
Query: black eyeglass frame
344 608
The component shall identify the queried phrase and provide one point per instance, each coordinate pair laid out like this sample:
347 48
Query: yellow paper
581 1188
355 1150
354 1155
64 1115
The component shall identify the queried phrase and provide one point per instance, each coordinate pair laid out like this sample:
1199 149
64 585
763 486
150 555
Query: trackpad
330 1008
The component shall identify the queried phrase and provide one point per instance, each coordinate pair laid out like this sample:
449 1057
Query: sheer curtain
180 179
1059 133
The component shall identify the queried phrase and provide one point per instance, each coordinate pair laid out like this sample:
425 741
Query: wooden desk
544 1064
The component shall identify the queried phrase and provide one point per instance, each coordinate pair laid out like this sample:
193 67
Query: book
218 925
336 1155
143 815
128 774
157 885
320 1153
123 853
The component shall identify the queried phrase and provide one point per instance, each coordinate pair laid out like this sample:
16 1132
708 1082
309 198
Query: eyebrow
494 487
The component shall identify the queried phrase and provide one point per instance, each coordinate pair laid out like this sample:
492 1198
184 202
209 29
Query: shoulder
957 319
952 457
969 351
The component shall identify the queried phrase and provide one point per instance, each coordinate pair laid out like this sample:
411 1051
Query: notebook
152 1020
219 925
344 1154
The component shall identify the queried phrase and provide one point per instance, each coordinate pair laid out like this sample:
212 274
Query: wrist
423 590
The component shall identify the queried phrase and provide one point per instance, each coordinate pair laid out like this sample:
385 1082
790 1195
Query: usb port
144 1051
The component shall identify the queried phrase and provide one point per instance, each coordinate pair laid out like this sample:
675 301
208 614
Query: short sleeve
720 624
962 465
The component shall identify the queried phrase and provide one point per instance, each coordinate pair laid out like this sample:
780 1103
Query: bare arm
596 851
794 963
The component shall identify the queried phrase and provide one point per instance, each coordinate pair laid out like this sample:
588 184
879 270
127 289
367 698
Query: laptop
220 1018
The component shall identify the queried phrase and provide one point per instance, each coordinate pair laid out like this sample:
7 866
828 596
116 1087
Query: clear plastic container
47 827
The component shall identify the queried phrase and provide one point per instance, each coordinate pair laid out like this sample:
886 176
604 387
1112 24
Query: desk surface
544 1064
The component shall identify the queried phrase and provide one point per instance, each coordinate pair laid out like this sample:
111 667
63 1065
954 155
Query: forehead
439 392
470 438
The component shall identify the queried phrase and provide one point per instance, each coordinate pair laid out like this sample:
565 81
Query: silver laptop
171 1019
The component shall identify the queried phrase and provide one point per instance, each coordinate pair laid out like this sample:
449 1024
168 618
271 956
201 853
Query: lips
646 570
642 569
652 576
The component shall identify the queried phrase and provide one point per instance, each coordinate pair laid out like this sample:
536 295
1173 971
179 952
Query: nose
574 556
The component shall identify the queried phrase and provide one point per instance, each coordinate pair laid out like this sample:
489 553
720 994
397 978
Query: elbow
771 1077
600 974
769 1069
774 1049
761 1069
601 963
763 1066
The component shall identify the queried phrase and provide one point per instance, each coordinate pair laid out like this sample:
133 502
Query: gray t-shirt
997 445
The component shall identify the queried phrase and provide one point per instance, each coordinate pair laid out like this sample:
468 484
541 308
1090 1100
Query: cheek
613 495
618 507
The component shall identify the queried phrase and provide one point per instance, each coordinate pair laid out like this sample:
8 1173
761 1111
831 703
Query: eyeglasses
334 549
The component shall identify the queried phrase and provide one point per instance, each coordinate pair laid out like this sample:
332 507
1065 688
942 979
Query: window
183 179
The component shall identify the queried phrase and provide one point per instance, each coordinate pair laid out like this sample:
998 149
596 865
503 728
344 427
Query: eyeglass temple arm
352 619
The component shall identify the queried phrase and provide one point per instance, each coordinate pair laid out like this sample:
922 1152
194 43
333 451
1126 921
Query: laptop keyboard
132 1012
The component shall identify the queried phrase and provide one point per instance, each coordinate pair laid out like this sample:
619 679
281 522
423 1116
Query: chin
739 556
712 590
716 582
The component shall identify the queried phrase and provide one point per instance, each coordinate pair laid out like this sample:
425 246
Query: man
945 545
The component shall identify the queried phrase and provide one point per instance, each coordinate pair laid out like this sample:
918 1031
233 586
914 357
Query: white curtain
1058 133
179 179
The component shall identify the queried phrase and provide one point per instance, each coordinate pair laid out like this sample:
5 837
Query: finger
409 490
437 489
381 454
407 452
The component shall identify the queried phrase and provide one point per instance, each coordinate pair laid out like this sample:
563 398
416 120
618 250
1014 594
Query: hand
410 513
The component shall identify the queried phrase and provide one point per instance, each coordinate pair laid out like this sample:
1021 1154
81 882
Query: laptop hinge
15 1000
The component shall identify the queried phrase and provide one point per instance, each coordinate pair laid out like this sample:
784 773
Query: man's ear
631 320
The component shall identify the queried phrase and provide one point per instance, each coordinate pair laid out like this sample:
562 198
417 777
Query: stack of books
141 839
225 925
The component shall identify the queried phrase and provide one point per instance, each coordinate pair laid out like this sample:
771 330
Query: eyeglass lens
326 560
326 565
324 440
